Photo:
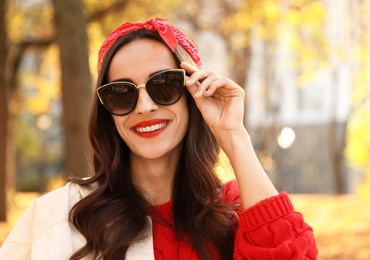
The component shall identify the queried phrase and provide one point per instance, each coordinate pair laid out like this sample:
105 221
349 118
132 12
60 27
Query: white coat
44 232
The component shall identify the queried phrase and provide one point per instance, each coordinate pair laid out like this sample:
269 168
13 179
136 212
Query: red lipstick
150 128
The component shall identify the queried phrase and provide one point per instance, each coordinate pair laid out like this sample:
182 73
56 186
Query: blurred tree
28 28
3 110
358 128
39 134
76 79
296 25
358 145
231 21
76 82
31 33
238 22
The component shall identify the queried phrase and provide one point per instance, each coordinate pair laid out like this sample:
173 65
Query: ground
341 223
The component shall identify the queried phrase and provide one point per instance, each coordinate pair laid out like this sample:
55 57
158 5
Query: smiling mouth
152 128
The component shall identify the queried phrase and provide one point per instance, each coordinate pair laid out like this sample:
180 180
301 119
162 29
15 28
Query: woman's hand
219 99
221 102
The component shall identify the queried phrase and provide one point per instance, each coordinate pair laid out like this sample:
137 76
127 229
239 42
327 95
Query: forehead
138 59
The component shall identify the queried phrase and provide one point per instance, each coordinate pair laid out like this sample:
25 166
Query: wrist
229 140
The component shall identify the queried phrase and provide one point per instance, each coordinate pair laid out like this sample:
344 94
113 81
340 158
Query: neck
155 177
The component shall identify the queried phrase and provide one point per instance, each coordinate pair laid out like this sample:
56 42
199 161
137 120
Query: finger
200 75
192 88
190 69
208 85
195 73
202 78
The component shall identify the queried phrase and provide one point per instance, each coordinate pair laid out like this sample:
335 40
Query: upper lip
150 122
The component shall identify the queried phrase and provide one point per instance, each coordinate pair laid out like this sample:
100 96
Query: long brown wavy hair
114 216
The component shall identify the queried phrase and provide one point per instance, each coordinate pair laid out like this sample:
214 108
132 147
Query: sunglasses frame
98 90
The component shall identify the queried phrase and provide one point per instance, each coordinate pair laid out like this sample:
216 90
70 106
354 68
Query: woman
157 124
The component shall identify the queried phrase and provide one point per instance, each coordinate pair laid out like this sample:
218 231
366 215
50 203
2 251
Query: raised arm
221 102
268 227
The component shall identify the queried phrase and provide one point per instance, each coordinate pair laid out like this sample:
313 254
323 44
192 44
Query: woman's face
150 130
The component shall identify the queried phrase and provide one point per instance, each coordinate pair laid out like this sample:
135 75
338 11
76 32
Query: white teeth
152 128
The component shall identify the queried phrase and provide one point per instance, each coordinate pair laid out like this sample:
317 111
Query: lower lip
151 134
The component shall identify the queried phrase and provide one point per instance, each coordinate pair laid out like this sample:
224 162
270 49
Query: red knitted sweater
269 230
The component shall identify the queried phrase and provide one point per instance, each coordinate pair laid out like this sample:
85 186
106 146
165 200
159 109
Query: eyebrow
130 80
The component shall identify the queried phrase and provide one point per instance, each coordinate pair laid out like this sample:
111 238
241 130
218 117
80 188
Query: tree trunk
336 140
14 58
3 111
76 82
336 145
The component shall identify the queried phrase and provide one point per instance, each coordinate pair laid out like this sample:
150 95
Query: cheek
119 123
183 114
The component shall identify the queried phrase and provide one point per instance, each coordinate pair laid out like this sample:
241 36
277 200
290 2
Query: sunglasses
165 88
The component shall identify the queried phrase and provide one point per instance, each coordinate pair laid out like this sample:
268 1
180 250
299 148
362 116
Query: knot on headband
170 34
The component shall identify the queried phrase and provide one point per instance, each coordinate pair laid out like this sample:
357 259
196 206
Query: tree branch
101 13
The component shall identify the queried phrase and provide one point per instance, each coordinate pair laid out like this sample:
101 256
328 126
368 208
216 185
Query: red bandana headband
171 36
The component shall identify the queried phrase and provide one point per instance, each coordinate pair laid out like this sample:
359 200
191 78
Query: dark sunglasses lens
166 88
119 98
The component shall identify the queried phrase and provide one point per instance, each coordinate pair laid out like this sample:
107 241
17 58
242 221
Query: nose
145 104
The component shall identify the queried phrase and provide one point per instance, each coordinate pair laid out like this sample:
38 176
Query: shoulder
50 209
230 192
62 198
70 190
54 207
58 203
43 223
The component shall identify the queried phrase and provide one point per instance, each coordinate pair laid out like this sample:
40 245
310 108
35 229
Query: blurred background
304 65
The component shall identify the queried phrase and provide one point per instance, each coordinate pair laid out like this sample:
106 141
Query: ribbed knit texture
166 244
269 230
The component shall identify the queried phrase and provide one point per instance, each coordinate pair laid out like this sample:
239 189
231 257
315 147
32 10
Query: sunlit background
305 67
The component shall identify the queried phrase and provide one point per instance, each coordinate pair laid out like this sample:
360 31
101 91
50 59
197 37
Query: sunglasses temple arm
100 99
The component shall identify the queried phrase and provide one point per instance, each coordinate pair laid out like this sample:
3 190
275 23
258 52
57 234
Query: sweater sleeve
271 229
